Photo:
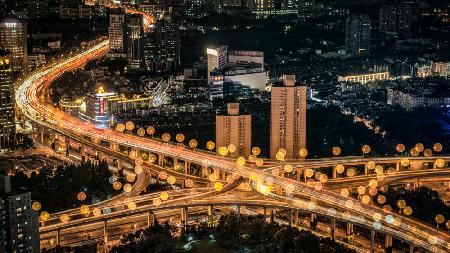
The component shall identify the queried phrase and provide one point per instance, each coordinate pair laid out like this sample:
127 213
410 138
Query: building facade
235 129
7 115
217 58
357 35
396 18
365 78
288 117
135 40
117 32
167 33
410 101
13 37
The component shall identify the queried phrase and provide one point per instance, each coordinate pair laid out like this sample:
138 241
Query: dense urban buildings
396 18
288 117
7 113
135 40
117 33
19 230
167 32
357 35
236 129
13 37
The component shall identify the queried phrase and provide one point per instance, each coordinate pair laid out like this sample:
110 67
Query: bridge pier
185 215
119 165
333 228
161 160
350 232
150 219
82 153
105 236
186 167
67 140
334 172
210 216
175 163
58 235
291 218
272 215
113 146
388 244
238 207
411 248
372 241
313 221
296 218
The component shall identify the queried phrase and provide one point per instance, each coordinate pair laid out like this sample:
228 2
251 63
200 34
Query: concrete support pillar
161 160
313 221
41 136
398 166
295 218
82 153
265 213
105 236
100 155
411 248
119 165
210 215
388 244
238 207
366 170
334 172
332 229
291 218
175 163
224 175
272 215
349 232
185 215
203 171
186 167
150 219
58 235
113 146
67 140
297 177
372 241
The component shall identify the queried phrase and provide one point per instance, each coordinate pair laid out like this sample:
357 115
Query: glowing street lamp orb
129 125
280 156
381 176
447 224
288 168
171 180
256 151
138 169
117 185
373 183
96 212
323 178
373 191
437 147
44 216
348 203
371 165
259 162
252 158
64 218
162 175
361 190
379 169
81 196
193 143
151 158
381 199
130 178
414 152
240 161
141 132
283 151
351 172
231 148
440 163
407 210
131 205
120 128
309 173
387 208
336 151
179 137
428 152
400 148
212 177
84 209
36 206
404 162
365 199
218 186
156 201
377 216
127 187
223 151
150 130
340 168
166 137
164 196
303 152
439 218
419 147
401 203
365 149
188 183
345 192
210 145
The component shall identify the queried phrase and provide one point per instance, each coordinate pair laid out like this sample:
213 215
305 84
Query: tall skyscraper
235 129
7 118
217 58
357 39
117 32
288 117
135 40
167 43
19 228
396 18
13 37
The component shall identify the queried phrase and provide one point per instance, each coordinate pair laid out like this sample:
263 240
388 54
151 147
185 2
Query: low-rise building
414 99
365 77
